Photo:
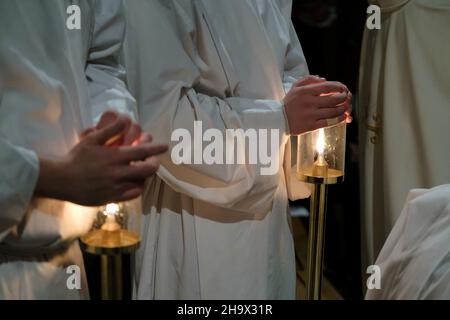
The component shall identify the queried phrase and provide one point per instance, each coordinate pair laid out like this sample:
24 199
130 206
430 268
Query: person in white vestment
415 260
63 103
212 230
404 111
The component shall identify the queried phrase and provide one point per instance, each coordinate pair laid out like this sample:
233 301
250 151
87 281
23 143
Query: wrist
51 180
286 118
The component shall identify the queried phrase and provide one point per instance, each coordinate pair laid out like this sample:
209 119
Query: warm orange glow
111 212
320 142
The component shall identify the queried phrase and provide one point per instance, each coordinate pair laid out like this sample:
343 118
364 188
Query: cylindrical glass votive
115 230
321 155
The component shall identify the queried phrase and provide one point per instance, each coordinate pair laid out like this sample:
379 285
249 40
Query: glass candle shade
115 229
321 155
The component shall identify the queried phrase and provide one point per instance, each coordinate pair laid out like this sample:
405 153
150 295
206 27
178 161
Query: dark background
330 32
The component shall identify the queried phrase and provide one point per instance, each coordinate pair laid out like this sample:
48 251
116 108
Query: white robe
54 83
405 81
215 231
415 260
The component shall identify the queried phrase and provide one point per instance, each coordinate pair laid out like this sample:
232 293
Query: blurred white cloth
415 260
405 85
215 231
54 83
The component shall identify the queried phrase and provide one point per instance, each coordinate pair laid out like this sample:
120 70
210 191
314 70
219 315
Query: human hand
94 173
313 100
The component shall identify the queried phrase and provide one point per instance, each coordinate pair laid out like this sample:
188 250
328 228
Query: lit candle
111 212
320 168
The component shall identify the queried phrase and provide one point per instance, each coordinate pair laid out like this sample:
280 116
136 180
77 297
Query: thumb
107 118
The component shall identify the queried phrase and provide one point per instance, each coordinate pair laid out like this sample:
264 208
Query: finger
131 194
330 113
110 117
324 87
348 107
349 96
309 80
323 122
348 104
120 188
108 133
331 100
86 132
349 119
141 171
119 139
123 186
107 118
140 152
145 138
132 135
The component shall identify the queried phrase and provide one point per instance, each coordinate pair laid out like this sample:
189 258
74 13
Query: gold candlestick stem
316 241
110 246
111 277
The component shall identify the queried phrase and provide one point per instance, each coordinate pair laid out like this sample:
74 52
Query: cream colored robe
415 260
54 83
405 91
214 231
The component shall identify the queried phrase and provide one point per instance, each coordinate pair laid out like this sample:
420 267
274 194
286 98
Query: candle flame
112 209
320 142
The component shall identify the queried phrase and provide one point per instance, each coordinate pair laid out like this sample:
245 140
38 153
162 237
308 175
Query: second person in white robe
214 231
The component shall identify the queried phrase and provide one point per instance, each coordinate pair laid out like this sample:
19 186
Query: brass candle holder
320 161
115 232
